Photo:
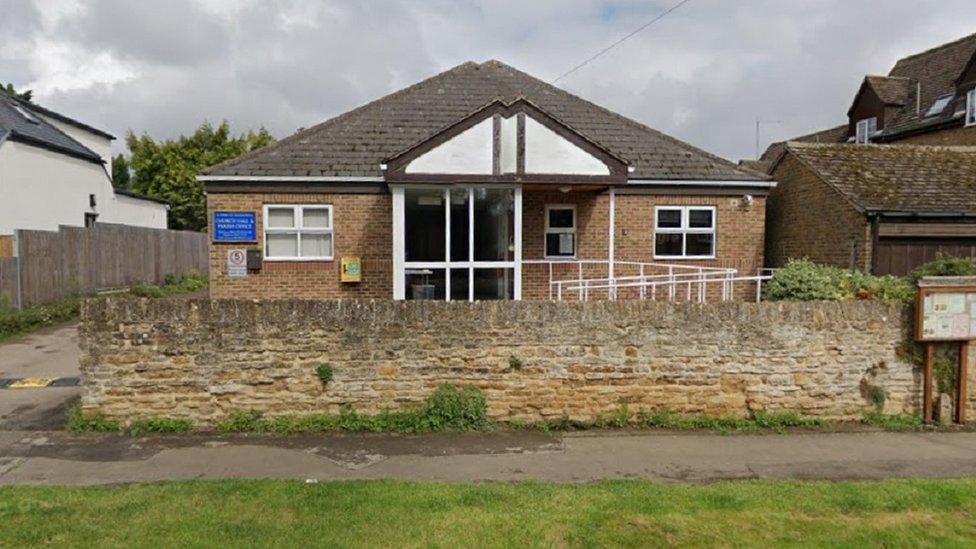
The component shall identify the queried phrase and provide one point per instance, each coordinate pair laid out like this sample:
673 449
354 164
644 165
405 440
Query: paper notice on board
940 303
960 326
957 303
928 326
927 304
943 326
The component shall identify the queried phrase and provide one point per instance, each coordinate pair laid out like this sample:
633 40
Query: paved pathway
61 458
48 354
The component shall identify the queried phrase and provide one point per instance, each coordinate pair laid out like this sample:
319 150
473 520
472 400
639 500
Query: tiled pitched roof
936 70
357 142
837 134
14 125
903 178
892 90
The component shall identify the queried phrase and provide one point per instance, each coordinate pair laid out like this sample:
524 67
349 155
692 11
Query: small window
971 107
26 114
686 232
865 129
560 231
298 233
939 105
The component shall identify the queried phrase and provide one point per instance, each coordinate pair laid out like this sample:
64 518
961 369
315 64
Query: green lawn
393 513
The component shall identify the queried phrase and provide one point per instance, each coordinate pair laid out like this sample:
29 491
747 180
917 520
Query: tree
9 90
121 178
167 169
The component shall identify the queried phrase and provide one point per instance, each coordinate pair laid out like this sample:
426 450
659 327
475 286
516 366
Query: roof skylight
938 105
26 114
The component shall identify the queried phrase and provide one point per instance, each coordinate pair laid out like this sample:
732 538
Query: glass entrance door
457 243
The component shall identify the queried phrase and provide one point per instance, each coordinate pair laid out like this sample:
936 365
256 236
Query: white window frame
560 230
298 210
862 130
971 107
685 230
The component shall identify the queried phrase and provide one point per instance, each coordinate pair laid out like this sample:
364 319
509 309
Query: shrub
455 408
324 372
804 280
944 266
173 285
14 322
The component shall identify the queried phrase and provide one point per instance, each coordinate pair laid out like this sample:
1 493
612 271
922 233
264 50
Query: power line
618 42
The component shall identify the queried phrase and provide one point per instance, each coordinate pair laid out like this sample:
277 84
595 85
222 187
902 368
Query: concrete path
48 353
61 458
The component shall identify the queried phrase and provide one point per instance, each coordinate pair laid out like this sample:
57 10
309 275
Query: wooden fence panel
8 282
74 261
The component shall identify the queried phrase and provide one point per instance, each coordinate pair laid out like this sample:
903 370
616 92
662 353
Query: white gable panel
468 152
509 145
549 153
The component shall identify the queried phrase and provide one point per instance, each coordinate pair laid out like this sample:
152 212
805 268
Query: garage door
899 256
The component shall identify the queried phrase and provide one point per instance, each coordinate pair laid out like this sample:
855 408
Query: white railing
670 282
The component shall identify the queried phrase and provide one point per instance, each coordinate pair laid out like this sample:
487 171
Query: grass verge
15 322
899 513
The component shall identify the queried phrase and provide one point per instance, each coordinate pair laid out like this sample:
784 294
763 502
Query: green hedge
804 280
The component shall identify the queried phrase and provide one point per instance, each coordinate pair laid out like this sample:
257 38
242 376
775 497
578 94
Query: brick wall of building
362 227
202 359
960 136
806 218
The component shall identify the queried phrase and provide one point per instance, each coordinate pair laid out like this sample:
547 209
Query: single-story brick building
885 209
481 182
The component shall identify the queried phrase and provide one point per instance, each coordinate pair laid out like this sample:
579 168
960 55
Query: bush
944 266
454 408
13 322
240 421
804 280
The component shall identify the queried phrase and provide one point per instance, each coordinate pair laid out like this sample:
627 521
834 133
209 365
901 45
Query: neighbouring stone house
874 196
482 182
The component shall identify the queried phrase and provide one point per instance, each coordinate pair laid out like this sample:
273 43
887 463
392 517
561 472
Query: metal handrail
728 287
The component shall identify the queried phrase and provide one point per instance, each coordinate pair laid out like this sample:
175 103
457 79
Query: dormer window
971 107
865 129
939 105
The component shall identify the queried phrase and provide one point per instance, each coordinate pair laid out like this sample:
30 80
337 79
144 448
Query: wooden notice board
945 311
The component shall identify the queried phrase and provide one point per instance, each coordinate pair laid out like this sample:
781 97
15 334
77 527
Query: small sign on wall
352 269
234 227
236 263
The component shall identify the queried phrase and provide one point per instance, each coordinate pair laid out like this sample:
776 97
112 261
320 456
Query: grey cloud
704 74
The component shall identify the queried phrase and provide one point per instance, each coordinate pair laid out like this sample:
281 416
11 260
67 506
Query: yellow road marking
31 383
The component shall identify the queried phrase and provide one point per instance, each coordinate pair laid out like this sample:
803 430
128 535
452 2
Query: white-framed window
971 107
865 129
298 232
684 232
560 238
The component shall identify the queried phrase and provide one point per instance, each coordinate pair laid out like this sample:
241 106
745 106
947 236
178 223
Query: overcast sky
704 74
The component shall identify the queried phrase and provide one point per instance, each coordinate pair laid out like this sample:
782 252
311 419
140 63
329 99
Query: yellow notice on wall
352 269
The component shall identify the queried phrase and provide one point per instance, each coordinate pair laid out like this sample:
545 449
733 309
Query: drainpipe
613 209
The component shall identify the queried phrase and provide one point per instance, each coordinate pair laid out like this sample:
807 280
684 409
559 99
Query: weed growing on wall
449 408
80 421
160 425
324 372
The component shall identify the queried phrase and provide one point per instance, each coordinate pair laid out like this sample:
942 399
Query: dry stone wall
203 359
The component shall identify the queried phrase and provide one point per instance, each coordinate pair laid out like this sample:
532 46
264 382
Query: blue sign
234 227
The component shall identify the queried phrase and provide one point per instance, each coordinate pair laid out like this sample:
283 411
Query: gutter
895 213
291 179
702 183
